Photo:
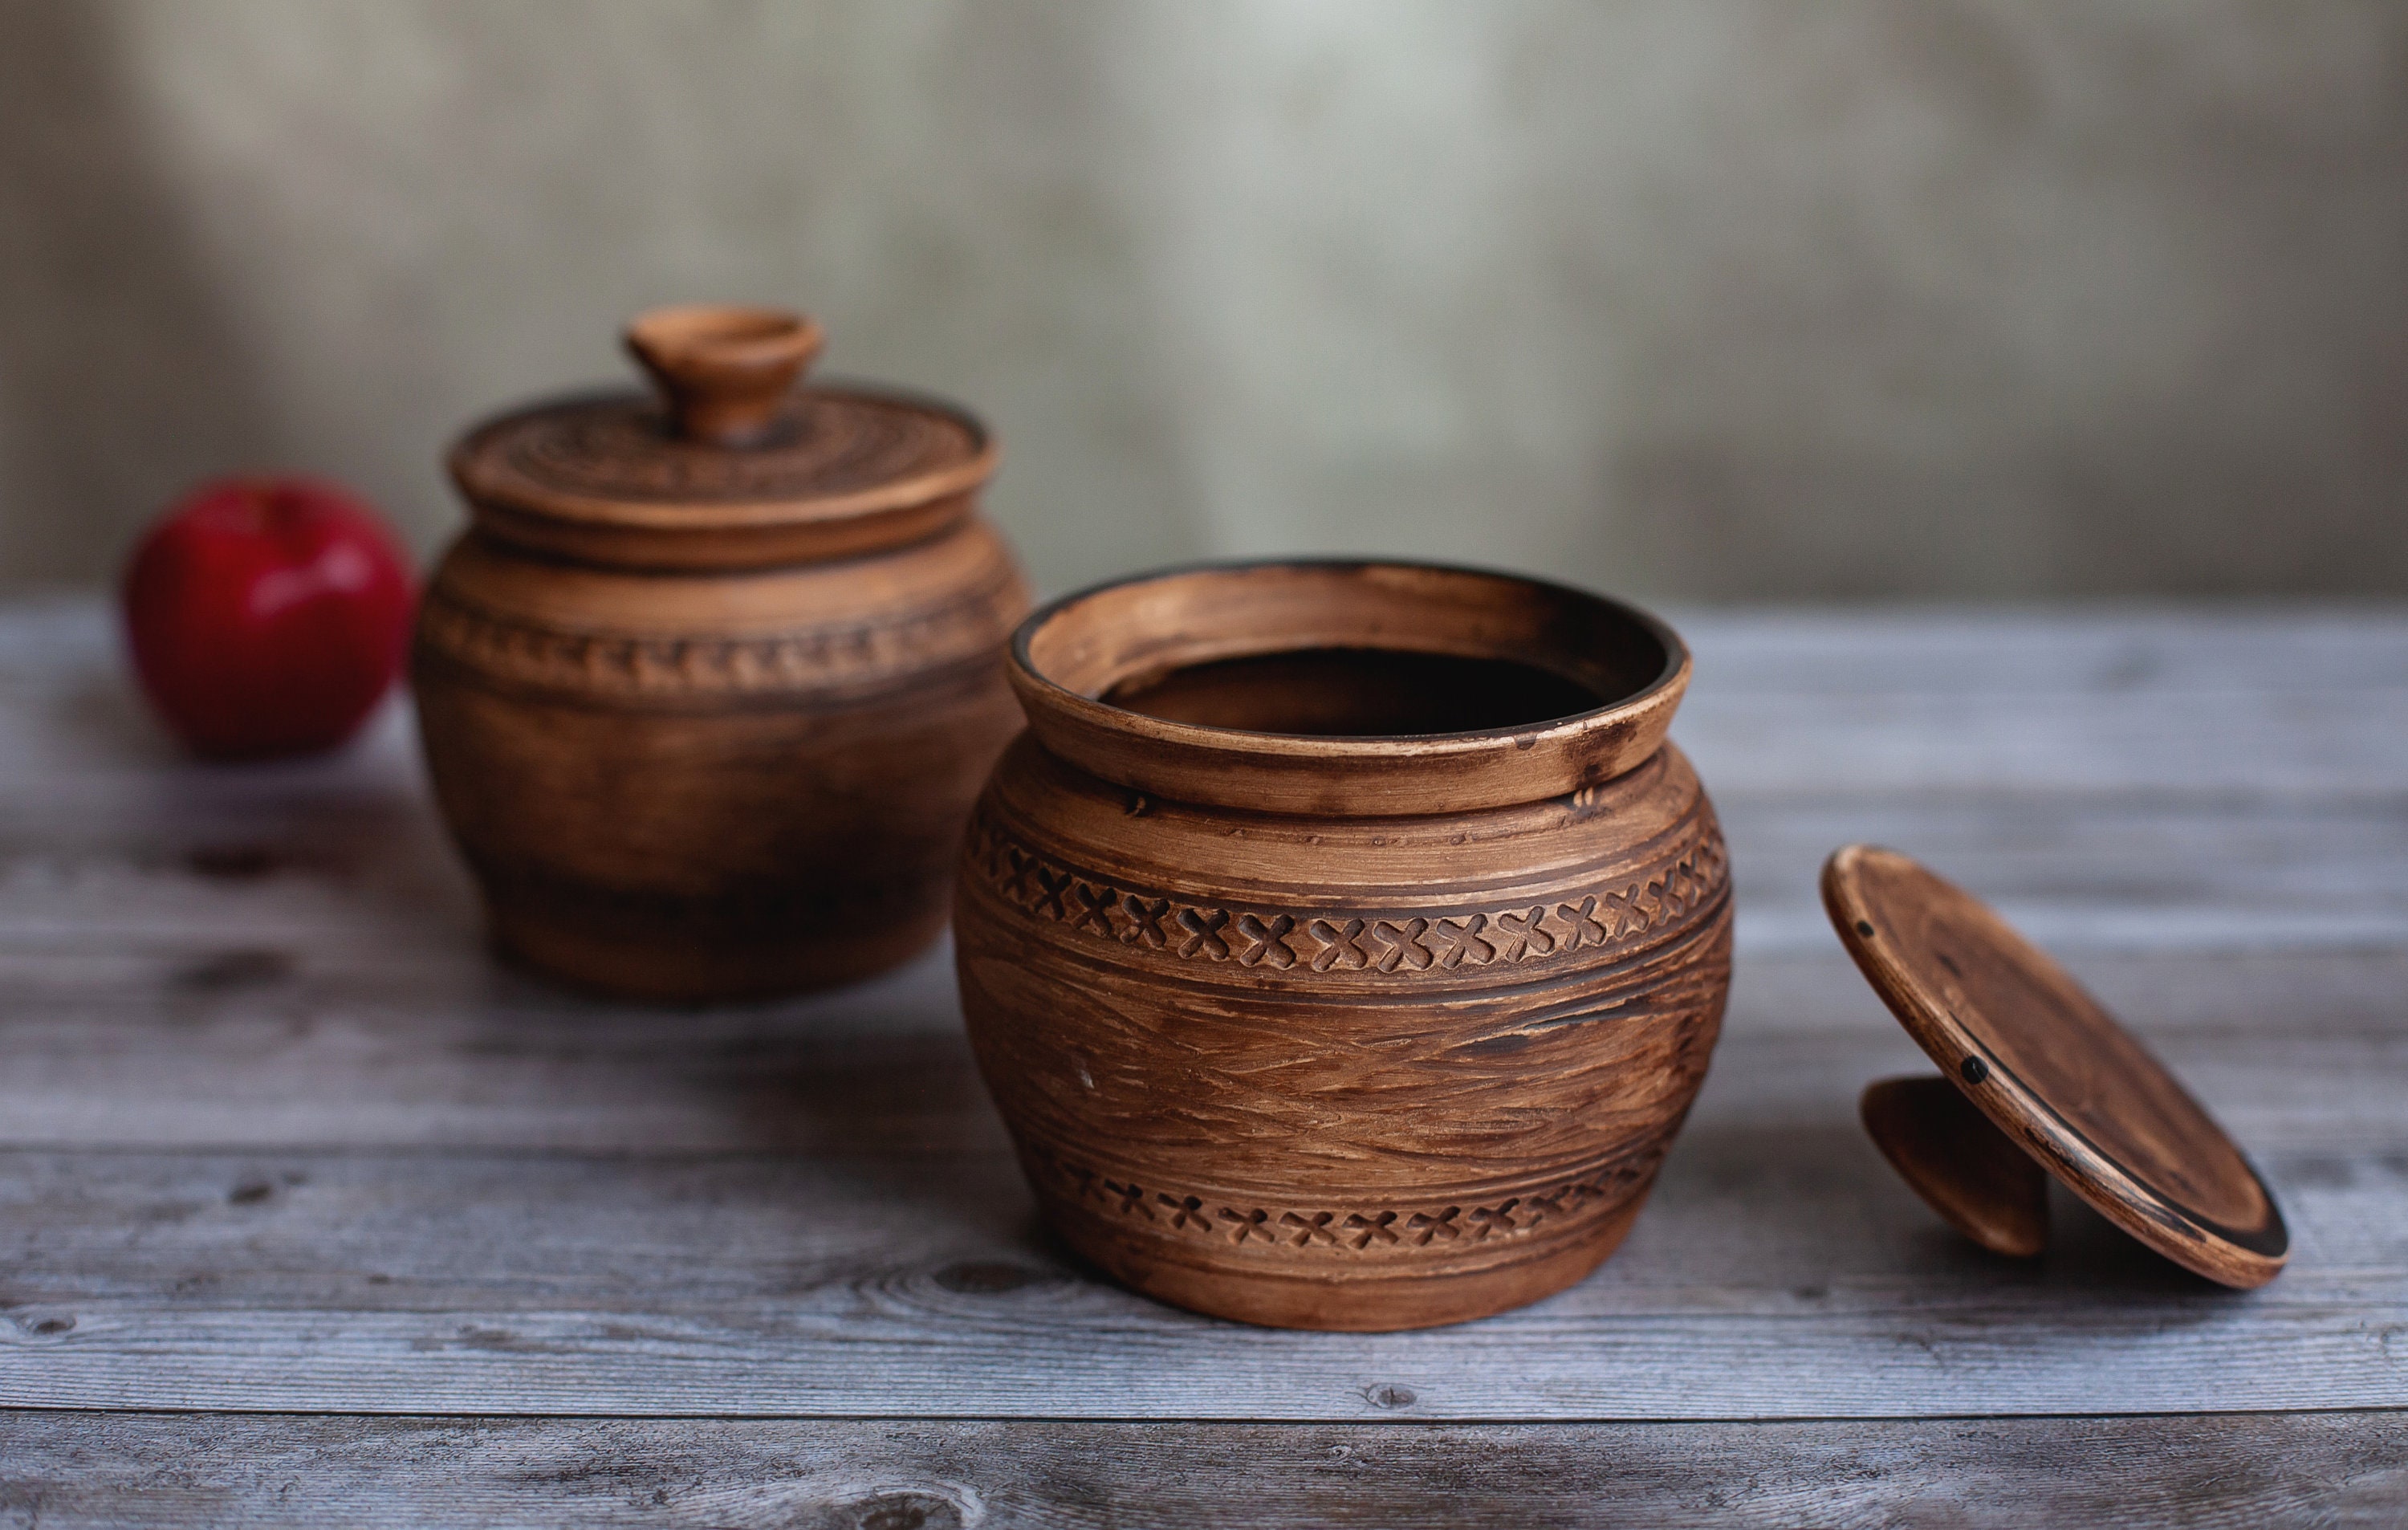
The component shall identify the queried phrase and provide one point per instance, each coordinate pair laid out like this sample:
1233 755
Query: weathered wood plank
2067 649
1781 1272
2116 782
1746 1219
1943 703
402 1180
283 1045
2260 1472
378 893
2093 876
49 645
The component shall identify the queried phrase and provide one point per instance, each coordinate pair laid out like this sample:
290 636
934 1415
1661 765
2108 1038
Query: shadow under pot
707 687
1343 943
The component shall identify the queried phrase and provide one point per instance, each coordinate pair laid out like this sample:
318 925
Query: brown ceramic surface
2052 1069
707 718
1342 944
1965 1169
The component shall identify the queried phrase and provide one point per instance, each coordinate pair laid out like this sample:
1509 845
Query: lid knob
725 368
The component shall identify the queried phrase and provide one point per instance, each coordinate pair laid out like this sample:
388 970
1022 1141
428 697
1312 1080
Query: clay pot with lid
707 688
1343 943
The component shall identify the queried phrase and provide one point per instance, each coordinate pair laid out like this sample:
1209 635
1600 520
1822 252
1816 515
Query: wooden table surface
311 1214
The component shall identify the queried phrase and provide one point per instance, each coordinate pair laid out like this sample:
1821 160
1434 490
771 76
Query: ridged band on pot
706 713
1342 1066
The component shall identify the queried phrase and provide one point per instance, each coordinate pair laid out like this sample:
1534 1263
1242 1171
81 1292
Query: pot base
1350 1299
675 966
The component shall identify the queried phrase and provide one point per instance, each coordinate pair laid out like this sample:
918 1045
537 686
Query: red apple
268 616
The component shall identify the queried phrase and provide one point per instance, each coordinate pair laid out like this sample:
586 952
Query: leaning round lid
2052 1069
729 463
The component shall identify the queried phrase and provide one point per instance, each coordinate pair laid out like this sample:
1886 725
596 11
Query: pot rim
1353 775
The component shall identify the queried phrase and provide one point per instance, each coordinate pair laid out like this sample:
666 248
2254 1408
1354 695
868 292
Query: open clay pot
710 683
1342 943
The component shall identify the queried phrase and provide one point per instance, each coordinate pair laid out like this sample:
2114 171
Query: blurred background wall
1702 298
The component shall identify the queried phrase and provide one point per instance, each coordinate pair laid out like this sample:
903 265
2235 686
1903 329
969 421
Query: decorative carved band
619 664
1371 1230
1330 942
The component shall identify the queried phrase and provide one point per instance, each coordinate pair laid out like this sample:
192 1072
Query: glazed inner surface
1345 692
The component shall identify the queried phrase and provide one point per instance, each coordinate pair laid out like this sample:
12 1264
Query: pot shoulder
1106 875
500 618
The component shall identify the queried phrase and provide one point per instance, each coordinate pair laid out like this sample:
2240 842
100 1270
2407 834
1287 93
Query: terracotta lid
729 463
2052 1070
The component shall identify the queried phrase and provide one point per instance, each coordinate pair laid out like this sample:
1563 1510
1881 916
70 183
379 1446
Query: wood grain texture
2217 1472
1778 1273
211 979
1346 1062
306 1044
2154 709
688 756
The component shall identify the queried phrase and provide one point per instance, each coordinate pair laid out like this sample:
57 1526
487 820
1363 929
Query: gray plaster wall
1704 298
